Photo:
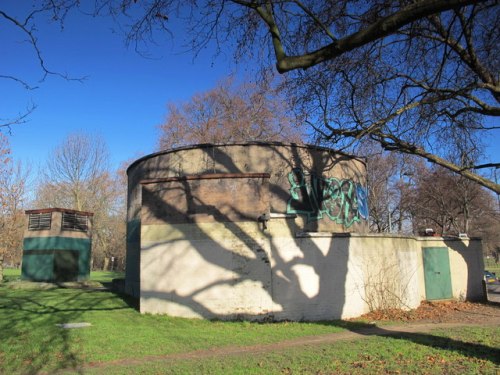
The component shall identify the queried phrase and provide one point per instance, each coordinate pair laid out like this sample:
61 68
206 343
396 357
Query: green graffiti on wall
342 201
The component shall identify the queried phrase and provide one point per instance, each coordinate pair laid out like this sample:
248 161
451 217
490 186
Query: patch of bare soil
439 312
23 284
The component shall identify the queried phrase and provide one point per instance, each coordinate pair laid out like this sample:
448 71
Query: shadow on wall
211 258
472 256
237 268
273 158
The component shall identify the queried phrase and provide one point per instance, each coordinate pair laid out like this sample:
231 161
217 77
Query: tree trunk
1 268
466 219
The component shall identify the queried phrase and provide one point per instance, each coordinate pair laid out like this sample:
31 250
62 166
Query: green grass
105 276
30 341
490 265
469 351
12 274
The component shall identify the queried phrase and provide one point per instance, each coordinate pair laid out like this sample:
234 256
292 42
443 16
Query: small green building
57 245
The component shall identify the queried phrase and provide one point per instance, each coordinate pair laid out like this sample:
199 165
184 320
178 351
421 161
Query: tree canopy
418 77
78 176
230 113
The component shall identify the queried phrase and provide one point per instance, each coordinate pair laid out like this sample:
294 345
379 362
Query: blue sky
123 99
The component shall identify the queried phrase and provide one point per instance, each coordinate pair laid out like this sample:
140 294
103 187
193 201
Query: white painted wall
238 270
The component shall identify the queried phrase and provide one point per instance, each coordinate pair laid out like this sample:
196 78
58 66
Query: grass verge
31 341
492 266
14 274
469 351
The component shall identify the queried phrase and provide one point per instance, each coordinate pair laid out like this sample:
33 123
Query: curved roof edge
208 145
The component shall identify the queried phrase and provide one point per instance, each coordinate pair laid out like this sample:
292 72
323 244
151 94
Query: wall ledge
381 235
277 215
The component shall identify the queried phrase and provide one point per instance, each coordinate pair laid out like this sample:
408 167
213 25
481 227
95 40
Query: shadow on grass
413 333
470 350
31 340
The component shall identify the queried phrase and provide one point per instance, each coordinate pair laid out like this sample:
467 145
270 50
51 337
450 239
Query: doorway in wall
66 265
437 273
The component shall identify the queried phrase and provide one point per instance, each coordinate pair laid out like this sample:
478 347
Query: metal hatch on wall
437 273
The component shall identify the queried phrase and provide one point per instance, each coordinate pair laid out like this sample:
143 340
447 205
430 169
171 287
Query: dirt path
423 320
403 331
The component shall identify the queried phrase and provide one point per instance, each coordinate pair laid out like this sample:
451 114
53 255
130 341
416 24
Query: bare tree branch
23 83
30 34
21 118
391 143
379 29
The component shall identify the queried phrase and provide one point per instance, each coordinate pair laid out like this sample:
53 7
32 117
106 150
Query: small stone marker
73 325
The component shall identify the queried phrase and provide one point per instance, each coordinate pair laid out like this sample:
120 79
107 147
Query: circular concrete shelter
275 231
219 207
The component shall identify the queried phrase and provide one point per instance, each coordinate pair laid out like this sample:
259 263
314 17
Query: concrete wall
291 169
217 270
466 265
271 231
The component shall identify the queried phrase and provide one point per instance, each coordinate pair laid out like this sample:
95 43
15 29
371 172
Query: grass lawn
31 341
468 351
12 274
490 265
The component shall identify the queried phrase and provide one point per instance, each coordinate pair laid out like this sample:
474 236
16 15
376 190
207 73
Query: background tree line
417 79
406 194
77 176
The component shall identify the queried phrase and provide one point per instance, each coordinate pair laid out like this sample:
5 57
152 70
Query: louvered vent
40 221
74 221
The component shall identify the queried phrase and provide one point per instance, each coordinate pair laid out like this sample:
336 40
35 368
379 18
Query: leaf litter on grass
438 312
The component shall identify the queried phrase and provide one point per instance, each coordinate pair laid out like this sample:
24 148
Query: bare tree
78 176
230 113
451 204
5 161
380 169
13 185
429 89
390 180
406 195
417 77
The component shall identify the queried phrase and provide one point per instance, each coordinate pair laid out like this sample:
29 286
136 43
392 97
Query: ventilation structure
57 245
39 221
74 221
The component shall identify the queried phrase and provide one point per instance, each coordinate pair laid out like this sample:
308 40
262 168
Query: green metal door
38 265
437 273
